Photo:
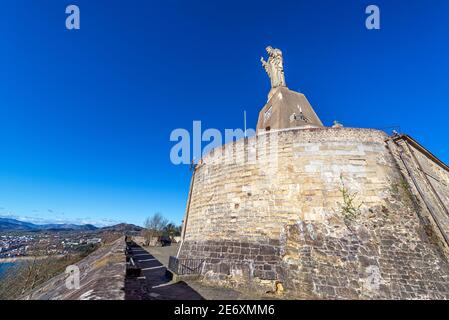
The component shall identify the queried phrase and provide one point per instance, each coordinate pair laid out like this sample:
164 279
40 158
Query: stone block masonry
258 223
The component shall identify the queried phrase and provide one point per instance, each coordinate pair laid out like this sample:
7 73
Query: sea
4 266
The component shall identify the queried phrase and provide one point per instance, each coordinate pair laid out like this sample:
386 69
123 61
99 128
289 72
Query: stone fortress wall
323 213
429 179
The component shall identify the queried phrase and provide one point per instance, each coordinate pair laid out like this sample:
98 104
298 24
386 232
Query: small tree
172 231
178 230
350 210
154 226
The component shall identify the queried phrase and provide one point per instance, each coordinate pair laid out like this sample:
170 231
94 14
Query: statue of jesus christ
274 67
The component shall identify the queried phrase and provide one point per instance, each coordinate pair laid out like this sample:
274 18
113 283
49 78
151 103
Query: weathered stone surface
102 277
282 218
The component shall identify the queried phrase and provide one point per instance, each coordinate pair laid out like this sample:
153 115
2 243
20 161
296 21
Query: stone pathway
154 284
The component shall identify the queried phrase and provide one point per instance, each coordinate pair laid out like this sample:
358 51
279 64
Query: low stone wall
237 263
286 218
102 277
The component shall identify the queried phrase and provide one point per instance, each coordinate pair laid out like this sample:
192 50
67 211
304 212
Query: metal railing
185 266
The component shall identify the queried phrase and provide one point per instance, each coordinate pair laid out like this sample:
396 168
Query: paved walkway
154 284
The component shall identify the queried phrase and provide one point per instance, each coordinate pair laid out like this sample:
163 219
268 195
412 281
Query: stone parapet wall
102 277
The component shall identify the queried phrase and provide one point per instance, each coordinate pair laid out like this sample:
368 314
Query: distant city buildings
42 244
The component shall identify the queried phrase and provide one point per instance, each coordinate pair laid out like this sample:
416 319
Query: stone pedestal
287 109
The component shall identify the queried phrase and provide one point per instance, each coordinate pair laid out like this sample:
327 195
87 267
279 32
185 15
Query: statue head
273 52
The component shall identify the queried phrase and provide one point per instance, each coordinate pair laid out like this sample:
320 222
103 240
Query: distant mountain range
7 224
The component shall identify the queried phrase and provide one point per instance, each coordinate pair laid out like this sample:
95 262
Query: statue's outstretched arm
265 65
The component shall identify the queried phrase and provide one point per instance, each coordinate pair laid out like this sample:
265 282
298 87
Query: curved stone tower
320 212
325 212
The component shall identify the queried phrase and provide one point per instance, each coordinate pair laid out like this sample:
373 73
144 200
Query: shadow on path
153 283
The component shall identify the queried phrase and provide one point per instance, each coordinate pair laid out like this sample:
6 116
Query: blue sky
86 115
